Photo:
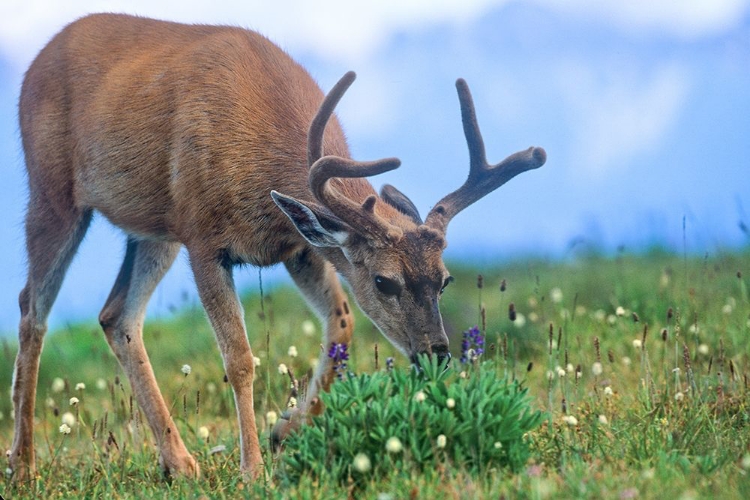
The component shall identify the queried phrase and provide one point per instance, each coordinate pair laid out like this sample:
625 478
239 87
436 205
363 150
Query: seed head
186 370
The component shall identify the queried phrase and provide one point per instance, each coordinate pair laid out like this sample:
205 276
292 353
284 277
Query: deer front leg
217 292
317 280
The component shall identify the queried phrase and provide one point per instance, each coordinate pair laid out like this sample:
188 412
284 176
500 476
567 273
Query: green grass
647 424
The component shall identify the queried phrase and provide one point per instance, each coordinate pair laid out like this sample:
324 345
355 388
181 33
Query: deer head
391 259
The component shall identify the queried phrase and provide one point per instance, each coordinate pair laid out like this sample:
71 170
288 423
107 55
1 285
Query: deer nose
439 350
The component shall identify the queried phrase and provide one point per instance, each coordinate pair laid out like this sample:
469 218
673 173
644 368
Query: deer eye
447 282
387 286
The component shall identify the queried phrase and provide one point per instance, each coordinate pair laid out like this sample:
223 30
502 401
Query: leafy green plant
414 419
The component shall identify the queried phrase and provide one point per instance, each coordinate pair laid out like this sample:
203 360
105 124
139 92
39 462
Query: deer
214 139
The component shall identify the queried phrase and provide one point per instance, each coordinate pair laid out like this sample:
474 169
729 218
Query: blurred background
643 108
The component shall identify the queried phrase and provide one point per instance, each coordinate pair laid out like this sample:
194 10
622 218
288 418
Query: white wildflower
570 368
101 384
520 320
746 461
308 328
50 403
550 375
498 444
271 418
393 445
283 370
74 401
203 432
58 384
420 396
292 402
703 349
620 311
68 419
600 315
556 295
679 396
80 386
596 369
608 391
694 328
463 374
64 429
637 343
256 361
450 403
441 441
211 387
560 372
626 361
603 420
727 309
361 462
611 319
570 420
292 351
186 370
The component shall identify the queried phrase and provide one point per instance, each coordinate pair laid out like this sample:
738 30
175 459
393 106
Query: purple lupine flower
339 355
472 345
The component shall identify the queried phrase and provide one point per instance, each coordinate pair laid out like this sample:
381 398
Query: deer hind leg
52 238
122 317
217 292
317 280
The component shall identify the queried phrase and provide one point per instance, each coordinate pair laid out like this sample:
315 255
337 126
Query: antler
361 218
483 177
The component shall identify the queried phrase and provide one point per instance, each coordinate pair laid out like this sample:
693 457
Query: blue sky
643 108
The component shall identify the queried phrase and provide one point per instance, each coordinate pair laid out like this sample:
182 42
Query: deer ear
319 228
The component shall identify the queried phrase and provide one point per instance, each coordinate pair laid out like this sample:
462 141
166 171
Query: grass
640 363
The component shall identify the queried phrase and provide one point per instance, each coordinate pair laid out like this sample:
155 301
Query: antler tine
483 177
361 218
318 125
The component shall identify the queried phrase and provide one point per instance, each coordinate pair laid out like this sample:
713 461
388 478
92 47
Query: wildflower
271 418
472 345
441 441
58 385
570 420
498 445
292 352
64 429
570 368
746 461
186 370
361 463
292 402
550 375
450 403
50 403
393 445
556 295
626 361
637 343
101 384
596 369
389 363
611 319
339 354
679 396
420 396
620 311
600 315
463 374
80 386
560 372
256 361
520 320
74 401
703 349
533 317
68 419
308 328
203 432
694 328
211 387
603 420
608 391
283 370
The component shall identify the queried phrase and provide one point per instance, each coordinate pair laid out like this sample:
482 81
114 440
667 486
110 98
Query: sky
642 106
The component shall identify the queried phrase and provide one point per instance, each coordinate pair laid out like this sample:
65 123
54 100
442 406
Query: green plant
414 419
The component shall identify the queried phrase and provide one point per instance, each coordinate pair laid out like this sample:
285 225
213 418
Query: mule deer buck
213 138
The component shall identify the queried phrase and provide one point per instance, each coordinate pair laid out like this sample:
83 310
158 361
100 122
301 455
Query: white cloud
618 112
331 29
682 18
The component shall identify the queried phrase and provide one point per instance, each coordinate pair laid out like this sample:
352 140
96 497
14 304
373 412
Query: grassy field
640 363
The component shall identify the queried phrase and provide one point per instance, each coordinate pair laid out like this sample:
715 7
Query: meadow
639 365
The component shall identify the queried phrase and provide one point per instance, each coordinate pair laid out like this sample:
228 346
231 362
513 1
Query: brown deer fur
179 134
